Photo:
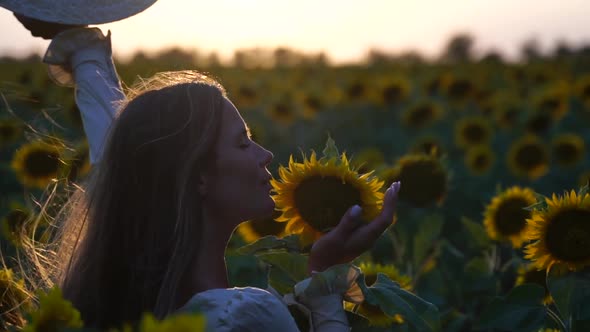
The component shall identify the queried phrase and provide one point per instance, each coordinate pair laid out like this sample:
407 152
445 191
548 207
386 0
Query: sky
344 29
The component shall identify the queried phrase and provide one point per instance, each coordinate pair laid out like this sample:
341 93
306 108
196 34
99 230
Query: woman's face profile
239 186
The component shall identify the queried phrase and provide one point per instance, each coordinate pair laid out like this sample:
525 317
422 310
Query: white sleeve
83 58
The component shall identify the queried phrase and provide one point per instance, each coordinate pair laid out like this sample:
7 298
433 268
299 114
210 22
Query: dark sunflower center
41 163
481 161
550 105
509 115
566 152
530 156
392 93
568 235
419 115
247 92
586 92
510 217
424 183
282 110
7 131
264 227
322 201
15 219
474 133
460 89
313 102
539 123
355 90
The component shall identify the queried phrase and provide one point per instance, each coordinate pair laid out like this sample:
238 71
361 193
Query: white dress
83 58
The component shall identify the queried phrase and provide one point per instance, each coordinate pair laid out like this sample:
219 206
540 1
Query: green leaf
292 264
424 239
330 151
392 300
584 189
540 205
570 292
477 233
271 242
520 310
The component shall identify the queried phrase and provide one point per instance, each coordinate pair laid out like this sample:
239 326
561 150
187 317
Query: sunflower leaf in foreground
271 242
393 300
570 292
520 310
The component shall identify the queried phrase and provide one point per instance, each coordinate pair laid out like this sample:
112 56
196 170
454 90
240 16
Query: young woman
175 175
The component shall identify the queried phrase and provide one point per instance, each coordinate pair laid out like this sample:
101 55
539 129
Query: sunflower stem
557 319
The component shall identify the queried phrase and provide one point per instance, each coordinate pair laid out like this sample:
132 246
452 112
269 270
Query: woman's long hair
126 238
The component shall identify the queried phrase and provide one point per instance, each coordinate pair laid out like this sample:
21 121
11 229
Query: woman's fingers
351 219
375 228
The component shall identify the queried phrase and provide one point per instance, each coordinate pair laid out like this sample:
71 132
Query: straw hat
77 12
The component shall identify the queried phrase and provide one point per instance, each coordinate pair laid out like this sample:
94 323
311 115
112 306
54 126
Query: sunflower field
492 229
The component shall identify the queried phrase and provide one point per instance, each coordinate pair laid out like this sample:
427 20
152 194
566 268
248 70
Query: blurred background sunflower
473 130
479 159
505 216
528 157
37 163
567 149
530 274
252 230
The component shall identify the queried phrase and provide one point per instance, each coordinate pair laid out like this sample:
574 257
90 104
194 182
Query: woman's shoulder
241 308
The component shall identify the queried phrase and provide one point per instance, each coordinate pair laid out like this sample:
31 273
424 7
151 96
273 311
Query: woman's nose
267 157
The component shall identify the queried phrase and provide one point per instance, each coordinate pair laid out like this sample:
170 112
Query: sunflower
505 216
283 110
459 89
393 90
424 179
373 313
528 157
561 232
479 159
553 101
567 149
314 195
14 298
10 131
253 230
530 274
37 163
471 131
421 114
54 313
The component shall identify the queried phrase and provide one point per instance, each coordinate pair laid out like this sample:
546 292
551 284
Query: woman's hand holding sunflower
352 236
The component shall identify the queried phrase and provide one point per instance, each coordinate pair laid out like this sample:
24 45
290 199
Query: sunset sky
344 29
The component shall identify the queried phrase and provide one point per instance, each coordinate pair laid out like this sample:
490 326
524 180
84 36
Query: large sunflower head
37 163
567 149
474 130
528 157
421 114
424 177
530 274
479 159
314 195
253 230
505 216
373 313
561 232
